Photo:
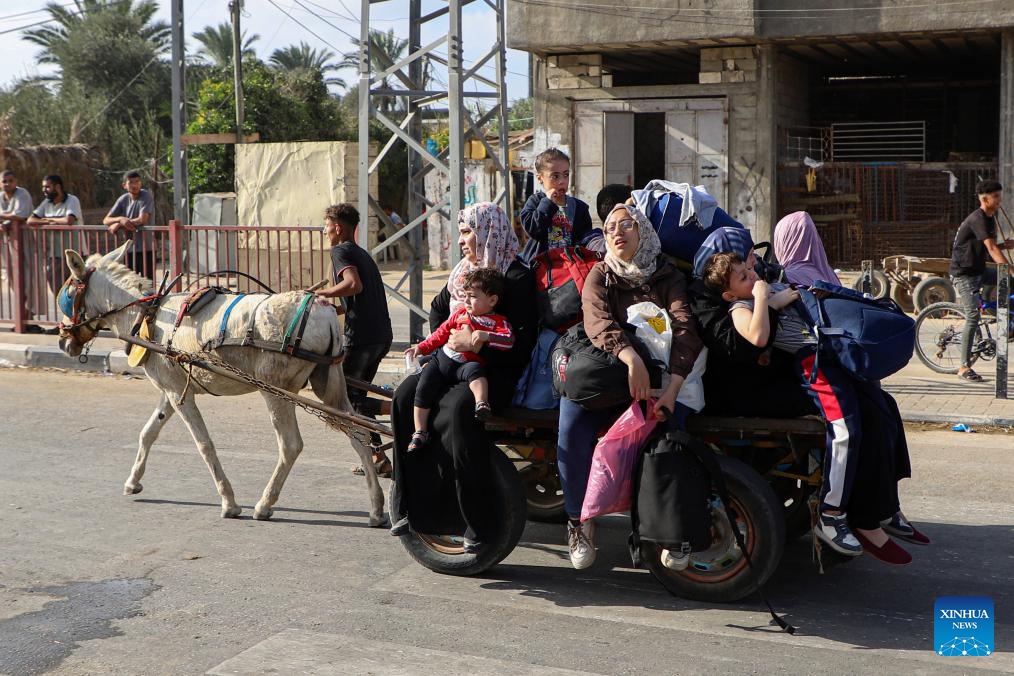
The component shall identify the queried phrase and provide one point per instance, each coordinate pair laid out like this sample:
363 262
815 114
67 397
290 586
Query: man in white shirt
59 208
15 208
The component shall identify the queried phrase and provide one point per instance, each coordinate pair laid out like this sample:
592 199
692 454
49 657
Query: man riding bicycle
975 238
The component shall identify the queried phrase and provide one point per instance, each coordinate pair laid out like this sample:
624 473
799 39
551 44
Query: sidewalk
923 395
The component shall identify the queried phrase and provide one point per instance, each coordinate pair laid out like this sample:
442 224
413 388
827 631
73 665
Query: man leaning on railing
59 208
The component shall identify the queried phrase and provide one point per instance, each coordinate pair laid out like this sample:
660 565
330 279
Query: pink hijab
496 246
798 248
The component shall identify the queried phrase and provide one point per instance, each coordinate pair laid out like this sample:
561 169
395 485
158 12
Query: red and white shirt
501 335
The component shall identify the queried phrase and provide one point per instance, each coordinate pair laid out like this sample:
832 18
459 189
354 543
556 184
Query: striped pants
834 392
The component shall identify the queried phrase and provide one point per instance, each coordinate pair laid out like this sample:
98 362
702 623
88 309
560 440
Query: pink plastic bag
609 482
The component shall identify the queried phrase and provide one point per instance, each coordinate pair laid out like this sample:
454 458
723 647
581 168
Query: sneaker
899 527
483 412
582 547
677 559
834 531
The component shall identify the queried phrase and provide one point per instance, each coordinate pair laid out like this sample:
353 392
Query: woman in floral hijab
487 240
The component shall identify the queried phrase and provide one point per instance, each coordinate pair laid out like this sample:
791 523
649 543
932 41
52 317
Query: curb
984 420
47 356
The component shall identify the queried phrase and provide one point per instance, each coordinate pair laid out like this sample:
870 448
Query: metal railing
32 266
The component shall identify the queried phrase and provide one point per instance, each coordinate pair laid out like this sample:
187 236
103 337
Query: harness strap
225 319
300 318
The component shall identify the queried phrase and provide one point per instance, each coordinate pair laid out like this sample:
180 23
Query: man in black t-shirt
974 241
368 335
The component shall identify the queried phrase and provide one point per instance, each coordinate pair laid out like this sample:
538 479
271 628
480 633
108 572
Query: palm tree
65 19
303 57
216 44
394 48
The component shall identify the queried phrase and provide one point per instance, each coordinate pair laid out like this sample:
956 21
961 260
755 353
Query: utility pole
415 93
235 7
181 186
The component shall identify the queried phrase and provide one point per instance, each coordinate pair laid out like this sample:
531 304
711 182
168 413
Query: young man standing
15 208
368 334
974 241
59 208
128 218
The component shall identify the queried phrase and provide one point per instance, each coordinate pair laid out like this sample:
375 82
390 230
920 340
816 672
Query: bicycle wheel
938 336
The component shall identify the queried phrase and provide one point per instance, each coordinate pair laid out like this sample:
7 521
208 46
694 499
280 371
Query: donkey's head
83 312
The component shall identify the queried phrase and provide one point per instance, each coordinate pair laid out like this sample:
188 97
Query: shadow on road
862 602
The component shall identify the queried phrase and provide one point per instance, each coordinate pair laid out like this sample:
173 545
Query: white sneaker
676 560
582 547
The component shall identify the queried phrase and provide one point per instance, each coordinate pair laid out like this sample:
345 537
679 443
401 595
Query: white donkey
109 294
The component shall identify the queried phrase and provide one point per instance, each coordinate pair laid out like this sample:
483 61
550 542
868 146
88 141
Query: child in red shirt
483 288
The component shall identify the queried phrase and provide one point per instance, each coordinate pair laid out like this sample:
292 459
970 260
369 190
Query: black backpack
671 493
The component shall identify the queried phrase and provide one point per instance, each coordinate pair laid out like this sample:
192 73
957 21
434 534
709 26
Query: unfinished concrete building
903 104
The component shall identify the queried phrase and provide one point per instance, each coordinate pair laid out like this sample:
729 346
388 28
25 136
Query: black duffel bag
671 501
593 378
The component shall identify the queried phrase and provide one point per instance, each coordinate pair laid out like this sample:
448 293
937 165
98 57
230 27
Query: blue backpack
870 338
535 389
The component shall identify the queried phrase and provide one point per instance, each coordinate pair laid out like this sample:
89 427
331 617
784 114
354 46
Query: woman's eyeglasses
621 226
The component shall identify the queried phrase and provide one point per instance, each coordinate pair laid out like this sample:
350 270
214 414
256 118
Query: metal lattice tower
472 99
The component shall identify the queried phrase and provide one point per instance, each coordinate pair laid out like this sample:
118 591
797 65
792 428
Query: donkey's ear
75 263
116 255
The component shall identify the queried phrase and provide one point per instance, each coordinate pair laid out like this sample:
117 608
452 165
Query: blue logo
963 626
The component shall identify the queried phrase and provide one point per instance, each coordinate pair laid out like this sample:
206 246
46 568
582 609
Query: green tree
65 20
303 57
216 44
280 105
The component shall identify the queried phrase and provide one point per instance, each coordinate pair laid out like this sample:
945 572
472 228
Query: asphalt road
95 582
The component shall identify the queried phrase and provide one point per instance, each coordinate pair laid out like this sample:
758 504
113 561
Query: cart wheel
543 492
932 290
901 293
879 283
721 574
444 553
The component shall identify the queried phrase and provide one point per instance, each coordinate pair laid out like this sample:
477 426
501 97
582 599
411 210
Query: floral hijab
496 246
643 264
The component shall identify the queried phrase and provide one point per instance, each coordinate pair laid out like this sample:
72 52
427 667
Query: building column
767 143
1005 153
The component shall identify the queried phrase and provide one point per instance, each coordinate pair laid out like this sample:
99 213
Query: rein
78 318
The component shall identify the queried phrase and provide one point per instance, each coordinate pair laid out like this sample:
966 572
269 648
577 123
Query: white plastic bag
653 327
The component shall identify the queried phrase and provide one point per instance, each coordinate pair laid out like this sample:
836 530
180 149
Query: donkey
106 294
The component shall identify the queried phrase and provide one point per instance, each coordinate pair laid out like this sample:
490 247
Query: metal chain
328 419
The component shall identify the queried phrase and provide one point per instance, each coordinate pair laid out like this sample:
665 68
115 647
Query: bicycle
938 335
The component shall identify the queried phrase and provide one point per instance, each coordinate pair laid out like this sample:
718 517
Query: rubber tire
765 536
933 290
935 307
902 294
548 509
880 284
510 515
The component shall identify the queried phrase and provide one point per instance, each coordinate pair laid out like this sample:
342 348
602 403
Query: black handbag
593 378
672 493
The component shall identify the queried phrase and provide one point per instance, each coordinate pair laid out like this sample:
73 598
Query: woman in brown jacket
634 270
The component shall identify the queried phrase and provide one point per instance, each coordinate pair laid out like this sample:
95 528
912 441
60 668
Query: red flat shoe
890 553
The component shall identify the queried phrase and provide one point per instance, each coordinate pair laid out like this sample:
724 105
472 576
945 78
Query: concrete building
904 104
